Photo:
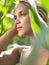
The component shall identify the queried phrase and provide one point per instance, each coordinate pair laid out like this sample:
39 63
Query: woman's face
21 17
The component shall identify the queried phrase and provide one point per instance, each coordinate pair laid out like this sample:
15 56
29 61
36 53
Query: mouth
19 28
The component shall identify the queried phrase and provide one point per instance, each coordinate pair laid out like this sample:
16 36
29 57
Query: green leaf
7 23
4 10
44 4
0 5
47 62
34 25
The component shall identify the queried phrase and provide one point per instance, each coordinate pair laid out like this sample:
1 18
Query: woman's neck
32 38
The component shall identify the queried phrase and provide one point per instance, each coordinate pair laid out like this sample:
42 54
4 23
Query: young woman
21 53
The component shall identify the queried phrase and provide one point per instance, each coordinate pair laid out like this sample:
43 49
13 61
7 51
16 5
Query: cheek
26 23
26 27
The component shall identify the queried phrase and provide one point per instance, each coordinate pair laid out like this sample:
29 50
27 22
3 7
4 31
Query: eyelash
22 14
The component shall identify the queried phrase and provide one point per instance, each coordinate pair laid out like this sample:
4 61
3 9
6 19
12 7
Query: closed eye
23 14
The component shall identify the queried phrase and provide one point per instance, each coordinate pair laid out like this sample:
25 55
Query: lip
19 28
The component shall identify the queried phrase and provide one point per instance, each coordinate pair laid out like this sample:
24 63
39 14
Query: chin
21 34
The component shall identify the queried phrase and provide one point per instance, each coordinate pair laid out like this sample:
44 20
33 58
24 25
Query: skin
22 20
23 27
4 39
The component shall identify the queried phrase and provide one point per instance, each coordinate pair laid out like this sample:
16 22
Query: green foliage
47 62
6 6
34 25
44 4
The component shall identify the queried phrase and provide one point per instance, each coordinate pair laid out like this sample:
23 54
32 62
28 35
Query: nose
17 21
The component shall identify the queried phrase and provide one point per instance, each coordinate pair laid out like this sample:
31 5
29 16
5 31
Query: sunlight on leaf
4 10
44 4
7 23
0 5
34 26
9 16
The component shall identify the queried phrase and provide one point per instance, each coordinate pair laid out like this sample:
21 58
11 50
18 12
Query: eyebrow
20 11
23 11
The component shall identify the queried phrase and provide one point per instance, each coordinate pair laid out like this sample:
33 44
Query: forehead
20 7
